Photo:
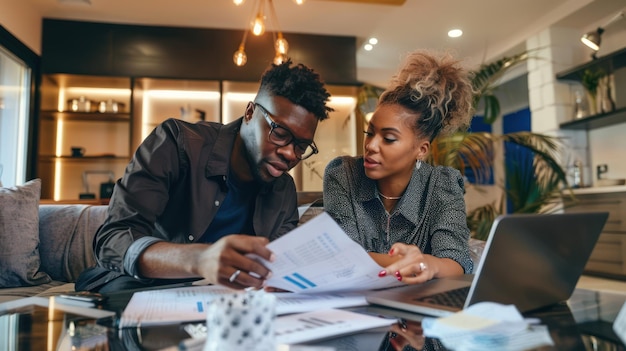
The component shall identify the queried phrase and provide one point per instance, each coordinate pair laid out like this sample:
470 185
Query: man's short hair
300 85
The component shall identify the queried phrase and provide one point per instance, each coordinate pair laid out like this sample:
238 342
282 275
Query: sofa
65 249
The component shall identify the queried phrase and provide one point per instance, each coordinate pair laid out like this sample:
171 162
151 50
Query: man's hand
225 262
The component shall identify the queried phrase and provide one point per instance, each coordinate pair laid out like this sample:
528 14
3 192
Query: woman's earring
418 164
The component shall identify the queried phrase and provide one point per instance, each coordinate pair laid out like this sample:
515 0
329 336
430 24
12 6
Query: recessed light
455 33
373 41
368 47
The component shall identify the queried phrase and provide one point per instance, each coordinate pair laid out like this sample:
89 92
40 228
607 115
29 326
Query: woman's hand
410 264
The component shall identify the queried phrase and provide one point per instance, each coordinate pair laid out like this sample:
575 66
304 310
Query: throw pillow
19 236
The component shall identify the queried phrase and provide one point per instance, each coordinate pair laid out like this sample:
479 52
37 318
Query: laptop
529 260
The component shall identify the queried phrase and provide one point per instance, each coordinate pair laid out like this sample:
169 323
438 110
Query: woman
409 215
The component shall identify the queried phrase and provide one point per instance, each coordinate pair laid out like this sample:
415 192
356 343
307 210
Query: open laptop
529 260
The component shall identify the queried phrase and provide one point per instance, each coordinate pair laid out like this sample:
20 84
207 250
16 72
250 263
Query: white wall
22 20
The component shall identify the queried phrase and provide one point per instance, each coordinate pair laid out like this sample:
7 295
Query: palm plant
533 174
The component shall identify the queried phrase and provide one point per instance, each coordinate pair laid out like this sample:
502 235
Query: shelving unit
104 136
613 63
109 139
597 121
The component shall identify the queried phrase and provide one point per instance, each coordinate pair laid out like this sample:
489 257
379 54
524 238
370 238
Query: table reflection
583 323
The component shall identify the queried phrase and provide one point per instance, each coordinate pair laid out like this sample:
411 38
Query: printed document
190 303
318 256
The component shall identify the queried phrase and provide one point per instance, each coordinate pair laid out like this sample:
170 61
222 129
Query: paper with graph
318 256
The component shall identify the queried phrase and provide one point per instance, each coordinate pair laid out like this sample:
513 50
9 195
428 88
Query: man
196 198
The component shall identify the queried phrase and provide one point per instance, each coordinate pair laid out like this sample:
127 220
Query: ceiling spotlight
368 47
373 41
593 39
455 33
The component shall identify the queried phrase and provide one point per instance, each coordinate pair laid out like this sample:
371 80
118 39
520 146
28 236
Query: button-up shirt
172 189
431 213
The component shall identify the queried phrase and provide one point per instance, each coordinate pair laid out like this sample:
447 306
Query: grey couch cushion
19 238
66 233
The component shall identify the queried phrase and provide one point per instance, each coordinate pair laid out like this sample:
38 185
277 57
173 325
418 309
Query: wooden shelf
597 121
86 158
609 63
85 116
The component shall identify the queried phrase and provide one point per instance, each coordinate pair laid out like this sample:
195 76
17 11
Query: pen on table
192 344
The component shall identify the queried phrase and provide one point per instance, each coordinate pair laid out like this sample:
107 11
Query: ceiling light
455 33
373 41
593 39
368 47
238 2
258 27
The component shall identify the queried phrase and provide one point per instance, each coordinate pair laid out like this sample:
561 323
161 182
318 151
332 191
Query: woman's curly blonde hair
436 88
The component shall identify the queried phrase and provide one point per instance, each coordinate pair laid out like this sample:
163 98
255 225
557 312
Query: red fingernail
382 273
391 251
397 273
400 278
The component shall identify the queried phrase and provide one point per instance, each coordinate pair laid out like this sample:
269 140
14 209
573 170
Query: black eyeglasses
281 136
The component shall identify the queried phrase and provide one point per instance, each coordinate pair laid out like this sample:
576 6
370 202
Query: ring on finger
234 276
423 266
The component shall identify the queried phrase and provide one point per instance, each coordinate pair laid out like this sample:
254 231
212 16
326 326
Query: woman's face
391 146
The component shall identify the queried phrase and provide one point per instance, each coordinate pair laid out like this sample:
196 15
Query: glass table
584 322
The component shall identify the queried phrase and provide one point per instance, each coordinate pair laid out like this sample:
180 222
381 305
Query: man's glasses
281 136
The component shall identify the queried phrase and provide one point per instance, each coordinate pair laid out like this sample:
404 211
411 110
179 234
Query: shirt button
190 237
224 178
217 202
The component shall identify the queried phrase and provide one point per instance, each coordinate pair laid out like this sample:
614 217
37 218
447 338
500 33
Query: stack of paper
188 304
487 326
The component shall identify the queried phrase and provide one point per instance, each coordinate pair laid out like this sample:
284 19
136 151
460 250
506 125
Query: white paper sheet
303 327
188 304
318 256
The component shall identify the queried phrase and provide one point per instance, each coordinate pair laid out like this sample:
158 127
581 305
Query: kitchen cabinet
70 117
613 64
609 255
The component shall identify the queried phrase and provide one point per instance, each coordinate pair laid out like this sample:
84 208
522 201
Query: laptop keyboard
451 298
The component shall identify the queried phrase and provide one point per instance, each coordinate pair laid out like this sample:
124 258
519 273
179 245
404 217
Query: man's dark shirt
172 190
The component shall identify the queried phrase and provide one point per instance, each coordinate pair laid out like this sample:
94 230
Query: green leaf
492 108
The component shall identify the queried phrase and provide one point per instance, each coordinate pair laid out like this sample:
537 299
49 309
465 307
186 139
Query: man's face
267 158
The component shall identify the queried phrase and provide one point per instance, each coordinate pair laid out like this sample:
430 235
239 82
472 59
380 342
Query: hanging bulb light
258 25
280 58
240 58
281 45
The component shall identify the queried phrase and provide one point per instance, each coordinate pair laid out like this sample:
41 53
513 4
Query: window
15 78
